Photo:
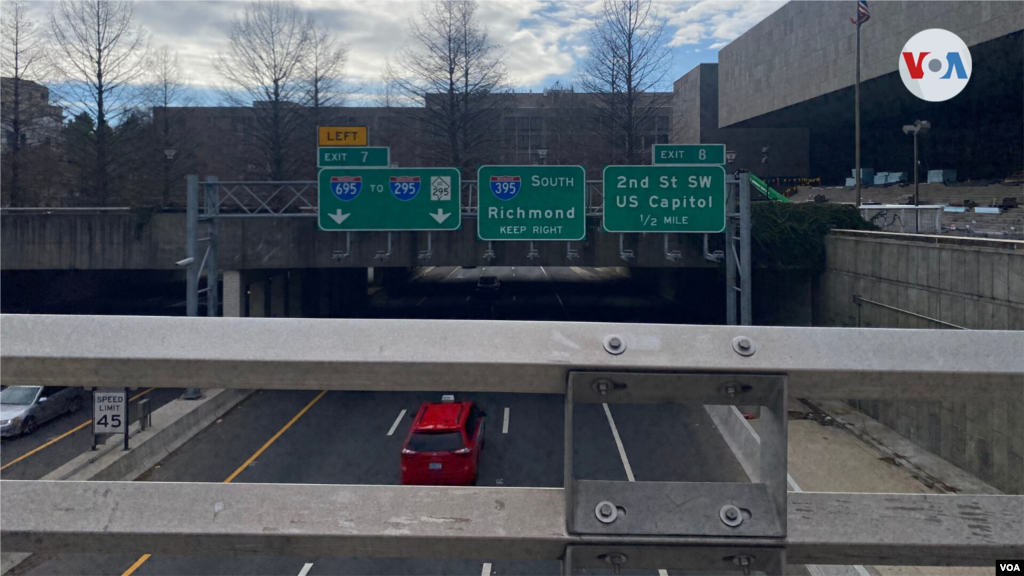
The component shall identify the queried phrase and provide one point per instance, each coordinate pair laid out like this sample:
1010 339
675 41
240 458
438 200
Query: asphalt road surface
355 437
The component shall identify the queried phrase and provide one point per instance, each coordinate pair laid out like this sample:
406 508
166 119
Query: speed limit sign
110 412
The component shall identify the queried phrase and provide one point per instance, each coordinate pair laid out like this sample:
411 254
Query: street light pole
917 187
918 127
856 120
169 153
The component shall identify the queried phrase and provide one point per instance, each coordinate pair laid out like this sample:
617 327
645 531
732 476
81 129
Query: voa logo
935 65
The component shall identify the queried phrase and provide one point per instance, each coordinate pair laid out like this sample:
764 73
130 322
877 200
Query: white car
24 408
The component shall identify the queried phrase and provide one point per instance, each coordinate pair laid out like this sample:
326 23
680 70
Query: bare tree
323 74
21 58
572 137
627 60
168 95
267 47
98 54
454 71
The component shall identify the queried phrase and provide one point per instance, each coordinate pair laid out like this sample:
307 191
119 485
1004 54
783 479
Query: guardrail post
145 414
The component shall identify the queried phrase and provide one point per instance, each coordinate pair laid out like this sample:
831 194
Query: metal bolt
743 346
731 515
614 344
616 559
602 386
744 561
731 390
606 512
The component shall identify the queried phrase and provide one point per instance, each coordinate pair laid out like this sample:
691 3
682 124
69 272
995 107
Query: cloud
543 40
721 20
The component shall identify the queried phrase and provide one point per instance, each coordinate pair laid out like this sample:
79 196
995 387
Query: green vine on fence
792 236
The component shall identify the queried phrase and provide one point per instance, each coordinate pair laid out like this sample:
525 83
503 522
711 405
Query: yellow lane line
275 437
64 435
142 559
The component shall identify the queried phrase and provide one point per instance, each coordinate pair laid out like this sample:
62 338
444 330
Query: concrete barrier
173 424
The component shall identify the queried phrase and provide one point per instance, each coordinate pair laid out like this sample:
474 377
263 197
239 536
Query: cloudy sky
544 39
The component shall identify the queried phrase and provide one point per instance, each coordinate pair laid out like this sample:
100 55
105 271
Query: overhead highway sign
389 199
713 154
343 135
337 156
531 203
664 198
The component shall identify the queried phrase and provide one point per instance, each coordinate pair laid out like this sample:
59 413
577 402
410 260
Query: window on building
662 123
523 142
535 124
662 138
510 124
524 123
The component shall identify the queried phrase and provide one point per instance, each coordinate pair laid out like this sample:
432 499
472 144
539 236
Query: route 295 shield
505 187
405 187
346 187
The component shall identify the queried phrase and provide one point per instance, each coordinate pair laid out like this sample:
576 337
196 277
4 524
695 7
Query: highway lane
526 293
343 437
63 438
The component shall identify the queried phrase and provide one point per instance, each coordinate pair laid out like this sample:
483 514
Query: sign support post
126 409
93 418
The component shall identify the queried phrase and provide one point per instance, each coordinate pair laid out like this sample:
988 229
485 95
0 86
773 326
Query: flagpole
856 116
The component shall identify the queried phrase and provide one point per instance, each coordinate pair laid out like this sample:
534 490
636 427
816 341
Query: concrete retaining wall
973 283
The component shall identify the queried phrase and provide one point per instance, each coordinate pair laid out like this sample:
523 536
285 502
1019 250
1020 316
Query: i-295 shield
405 187
346 187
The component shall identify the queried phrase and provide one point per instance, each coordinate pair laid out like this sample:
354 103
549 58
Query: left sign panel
389 199
343 135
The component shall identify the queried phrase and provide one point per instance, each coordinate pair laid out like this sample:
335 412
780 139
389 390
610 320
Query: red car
444 444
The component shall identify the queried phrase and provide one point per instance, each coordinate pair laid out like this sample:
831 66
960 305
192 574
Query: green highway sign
664 198
338 156
389 199
531 203
713 154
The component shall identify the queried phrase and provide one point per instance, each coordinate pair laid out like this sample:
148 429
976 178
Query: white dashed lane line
306 568
618 443
397 422
504 425
486 571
